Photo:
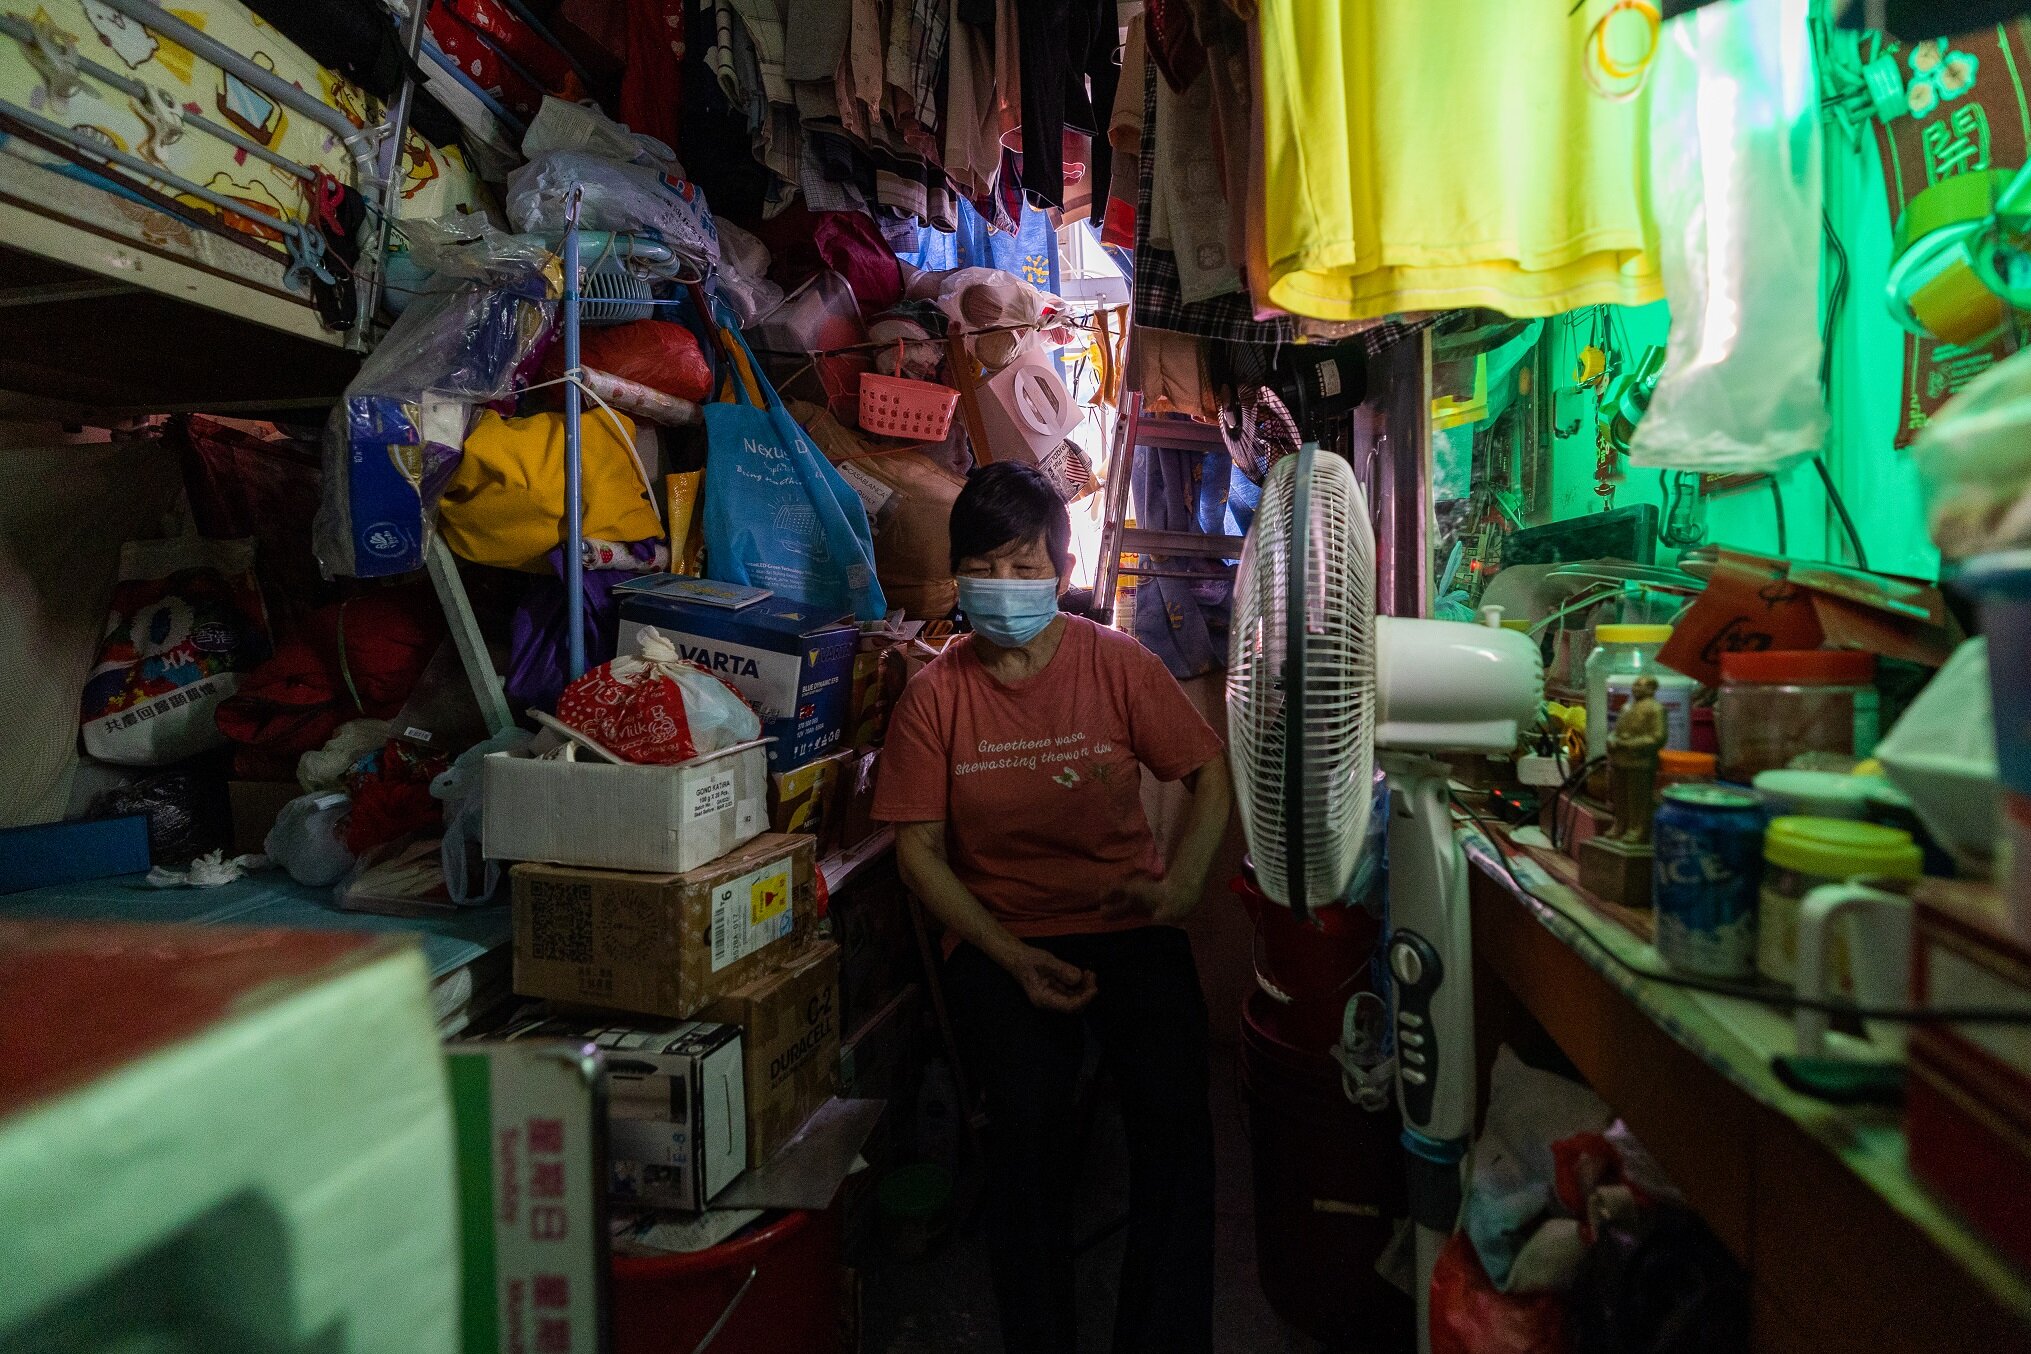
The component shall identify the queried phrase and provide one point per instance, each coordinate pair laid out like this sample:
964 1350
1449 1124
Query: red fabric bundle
354 658
392 798
852 246
655 353
1470 1316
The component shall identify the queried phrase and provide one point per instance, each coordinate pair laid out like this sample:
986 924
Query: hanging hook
54 54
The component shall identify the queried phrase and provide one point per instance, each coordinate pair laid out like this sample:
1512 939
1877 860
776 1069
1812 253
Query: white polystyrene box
624 817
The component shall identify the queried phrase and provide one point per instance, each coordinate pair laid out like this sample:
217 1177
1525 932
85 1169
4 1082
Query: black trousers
1149 1019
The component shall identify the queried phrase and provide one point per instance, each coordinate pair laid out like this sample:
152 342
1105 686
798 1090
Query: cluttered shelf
1781 1206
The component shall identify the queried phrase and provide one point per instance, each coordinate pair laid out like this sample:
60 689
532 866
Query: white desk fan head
1361 682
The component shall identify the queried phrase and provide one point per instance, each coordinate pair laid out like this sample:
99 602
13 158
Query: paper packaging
809 799
793 662
791 1020
530 1118
662 944
587 812
676 1101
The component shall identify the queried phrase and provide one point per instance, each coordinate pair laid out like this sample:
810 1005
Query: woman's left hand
1158 899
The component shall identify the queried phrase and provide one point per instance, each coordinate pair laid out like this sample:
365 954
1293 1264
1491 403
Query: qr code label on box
561 917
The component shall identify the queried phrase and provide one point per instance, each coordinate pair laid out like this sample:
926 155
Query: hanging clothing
652 86
1444 154
972 151
1159 297
1068 78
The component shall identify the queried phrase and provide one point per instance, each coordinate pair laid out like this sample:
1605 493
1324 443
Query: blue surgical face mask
1009 611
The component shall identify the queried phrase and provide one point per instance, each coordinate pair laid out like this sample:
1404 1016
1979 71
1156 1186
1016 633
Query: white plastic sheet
1735 189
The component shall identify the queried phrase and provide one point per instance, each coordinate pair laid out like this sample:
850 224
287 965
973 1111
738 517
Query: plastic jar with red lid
1773 706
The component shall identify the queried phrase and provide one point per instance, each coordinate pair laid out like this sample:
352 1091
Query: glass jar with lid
1774 706
1622 653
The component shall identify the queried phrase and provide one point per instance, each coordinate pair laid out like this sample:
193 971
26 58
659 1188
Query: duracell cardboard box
790 1017
662 944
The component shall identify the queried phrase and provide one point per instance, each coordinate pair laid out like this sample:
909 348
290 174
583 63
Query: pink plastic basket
895 406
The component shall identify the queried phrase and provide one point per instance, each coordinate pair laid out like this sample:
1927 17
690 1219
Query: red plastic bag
1470 1317
654 353
655 708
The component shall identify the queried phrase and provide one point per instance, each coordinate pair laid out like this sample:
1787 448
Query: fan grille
1338 650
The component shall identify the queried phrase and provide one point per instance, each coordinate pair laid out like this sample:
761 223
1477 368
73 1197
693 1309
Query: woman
1013 770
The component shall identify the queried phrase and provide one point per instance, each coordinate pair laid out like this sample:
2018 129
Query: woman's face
1029 559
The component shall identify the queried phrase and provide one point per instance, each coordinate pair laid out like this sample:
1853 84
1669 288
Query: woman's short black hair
1008 502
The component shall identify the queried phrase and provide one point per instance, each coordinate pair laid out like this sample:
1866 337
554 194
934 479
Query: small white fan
1316 684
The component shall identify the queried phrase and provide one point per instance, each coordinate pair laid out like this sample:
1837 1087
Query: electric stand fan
1317 683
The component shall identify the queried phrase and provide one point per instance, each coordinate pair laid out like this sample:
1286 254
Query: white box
624 817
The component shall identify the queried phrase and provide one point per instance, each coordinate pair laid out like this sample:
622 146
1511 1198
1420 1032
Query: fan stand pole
1431 964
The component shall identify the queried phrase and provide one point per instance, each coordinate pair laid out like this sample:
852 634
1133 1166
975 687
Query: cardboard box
791 1021
856 811
256 804
676 1107
530 1119
662 944
584 812
809 798
793 662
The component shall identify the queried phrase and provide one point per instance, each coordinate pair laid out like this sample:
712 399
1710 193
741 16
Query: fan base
1616 871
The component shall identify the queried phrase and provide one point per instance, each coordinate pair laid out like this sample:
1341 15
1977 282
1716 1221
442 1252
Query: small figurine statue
1632 763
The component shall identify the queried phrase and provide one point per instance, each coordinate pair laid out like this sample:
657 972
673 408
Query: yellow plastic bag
505 504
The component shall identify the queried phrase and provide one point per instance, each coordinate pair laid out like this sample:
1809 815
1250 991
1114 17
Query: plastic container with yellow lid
1622 653
1799 855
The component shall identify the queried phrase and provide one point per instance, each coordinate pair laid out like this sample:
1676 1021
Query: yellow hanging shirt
1434 154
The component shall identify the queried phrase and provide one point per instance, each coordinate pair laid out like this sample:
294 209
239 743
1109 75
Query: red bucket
1318 965
665 1304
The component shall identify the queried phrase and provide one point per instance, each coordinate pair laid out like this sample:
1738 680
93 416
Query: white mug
1878 937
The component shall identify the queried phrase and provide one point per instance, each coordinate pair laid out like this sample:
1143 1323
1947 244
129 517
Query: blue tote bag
777 515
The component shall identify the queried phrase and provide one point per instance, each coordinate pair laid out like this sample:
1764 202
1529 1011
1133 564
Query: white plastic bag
469 877
309 839
1974 463
625 198
562 125
1735 190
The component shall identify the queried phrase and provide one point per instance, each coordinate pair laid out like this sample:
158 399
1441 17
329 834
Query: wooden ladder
1133 429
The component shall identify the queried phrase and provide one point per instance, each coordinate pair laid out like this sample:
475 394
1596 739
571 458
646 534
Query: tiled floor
942 1304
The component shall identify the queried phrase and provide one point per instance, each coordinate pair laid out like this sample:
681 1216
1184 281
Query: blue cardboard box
793 662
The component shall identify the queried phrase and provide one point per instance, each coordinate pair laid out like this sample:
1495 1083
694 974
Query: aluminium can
1708 843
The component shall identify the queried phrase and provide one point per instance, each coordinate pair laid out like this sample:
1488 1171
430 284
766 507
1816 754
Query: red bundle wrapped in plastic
655 708
656 353
1469 1316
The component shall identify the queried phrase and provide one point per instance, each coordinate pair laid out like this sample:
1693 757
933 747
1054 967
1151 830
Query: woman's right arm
1049 981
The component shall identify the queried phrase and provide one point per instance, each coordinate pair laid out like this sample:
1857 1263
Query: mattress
435 180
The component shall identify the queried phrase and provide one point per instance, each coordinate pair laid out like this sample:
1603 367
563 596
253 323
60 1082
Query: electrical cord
1841 510
1962 1015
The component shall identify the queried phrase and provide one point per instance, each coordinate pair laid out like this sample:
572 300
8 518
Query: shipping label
749 913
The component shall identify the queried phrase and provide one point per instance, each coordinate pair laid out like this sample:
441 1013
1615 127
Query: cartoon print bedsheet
436 180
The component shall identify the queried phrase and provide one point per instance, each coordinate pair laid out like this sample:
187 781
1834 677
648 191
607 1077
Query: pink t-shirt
1037 782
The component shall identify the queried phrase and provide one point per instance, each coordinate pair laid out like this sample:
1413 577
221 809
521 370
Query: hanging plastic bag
1974 463
562 125
186 621
1735 189
396 438
777 515
504 505
654 708
625 198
